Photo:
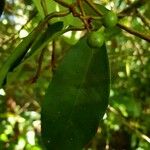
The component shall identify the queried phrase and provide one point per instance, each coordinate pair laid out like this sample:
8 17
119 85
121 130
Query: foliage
77 98
25 71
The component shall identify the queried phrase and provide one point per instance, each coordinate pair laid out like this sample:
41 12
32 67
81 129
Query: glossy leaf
76 98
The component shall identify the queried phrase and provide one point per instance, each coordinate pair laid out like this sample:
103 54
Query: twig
40 60
83 14
143 18
53 56
129 30
134 32
127 124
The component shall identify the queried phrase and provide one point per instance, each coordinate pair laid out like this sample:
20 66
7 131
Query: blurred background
126 123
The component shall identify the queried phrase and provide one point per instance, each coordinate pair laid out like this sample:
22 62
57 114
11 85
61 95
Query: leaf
16 56
39 8
102 8
76 98
44 38
35 41
90 10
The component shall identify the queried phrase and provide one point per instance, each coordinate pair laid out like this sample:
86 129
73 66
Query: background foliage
126 122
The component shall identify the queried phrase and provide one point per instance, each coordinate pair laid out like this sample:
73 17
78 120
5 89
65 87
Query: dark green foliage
2 4
76 99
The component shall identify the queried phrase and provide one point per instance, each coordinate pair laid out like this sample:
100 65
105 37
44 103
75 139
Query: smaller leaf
28 42
45 37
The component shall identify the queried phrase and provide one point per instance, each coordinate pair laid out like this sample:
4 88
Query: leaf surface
76 98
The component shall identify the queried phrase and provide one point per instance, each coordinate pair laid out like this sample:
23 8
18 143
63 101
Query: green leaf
34 41
16 56
45 37
39 8
90 10
76 98
102 8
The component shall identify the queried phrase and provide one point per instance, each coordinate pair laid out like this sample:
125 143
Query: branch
143 18
83 18
129 30
40 60
134 32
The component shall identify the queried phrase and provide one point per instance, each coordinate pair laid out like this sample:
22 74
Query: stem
55 14
40 60
53 56
62 3
143 18
127 29
83 14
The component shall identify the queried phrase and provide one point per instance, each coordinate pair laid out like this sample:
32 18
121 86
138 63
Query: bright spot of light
2 92
21 144
111 93
68 34
18 27
20 20
20 12
57 8
78 34
23 33
37 125
31 137
121 74
4 21
105 116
